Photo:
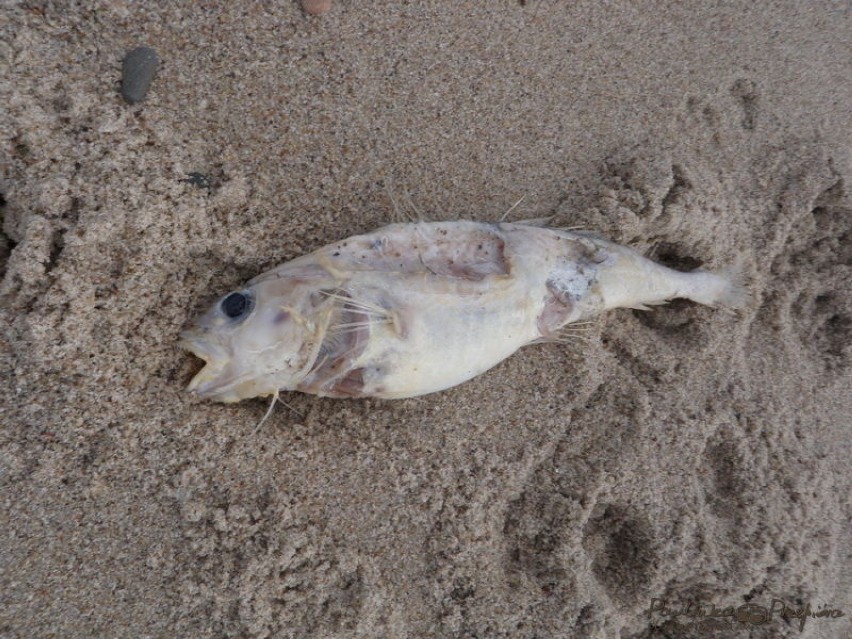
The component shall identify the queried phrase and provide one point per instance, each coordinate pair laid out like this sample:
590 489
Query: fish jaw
223 378
214 376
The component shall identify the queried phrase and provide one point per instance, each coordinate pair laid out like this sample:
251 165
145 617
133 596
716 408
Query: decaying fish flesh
417 308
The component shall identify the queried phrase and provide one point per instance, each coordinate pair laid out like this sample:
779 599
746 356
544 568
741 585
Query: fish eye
236 305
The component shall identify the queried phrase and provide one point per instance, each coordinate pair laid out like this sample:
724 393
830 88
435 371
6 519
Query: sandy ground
682 454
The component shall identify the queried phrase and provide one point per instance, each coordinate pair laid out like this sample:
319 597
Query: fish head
256 340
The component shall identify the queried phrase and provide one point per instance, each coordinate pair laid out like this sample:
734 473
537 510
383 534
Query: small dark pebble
198 179
137 72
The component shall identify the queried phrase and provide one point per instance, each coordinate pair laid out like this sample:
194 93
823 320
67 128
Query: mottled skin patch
571 280
434 250
558 308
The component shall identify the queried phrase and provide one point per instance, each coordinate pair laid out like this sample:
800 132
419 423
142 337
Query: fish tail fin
725 288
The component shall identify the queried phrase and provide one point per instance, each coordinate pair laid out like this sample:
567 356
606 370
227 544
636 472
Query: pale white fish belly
440 350
450 336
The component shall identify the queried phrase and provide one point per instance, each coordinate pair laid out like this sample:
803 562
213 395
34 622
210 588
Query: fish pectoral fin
646 306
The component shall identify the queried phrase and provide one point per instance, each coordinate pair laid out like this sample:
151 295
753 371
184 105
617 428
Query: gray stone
137 72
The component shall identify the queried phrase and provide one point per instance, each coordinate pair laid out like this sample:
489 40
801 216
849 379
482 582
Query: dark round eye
235 305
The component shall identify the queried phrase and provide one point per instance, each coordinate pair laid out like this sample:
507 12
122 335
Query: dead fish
417 308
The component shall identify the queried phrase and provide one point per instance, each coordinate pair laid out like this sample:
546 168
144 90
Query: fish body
416 308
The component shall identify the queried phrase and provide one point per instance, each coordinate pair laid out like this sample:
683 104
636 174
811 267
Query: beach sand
682 454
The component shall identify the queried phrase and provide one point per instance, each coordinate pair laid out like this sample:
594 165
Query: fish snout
216 358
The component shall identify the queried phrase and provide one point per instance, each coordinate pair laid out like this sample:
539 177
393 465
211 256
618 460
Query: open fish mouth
214 377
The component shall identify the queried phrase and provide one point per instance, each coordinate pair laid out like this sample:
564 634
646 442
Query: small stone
137 72
198 180
316 7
